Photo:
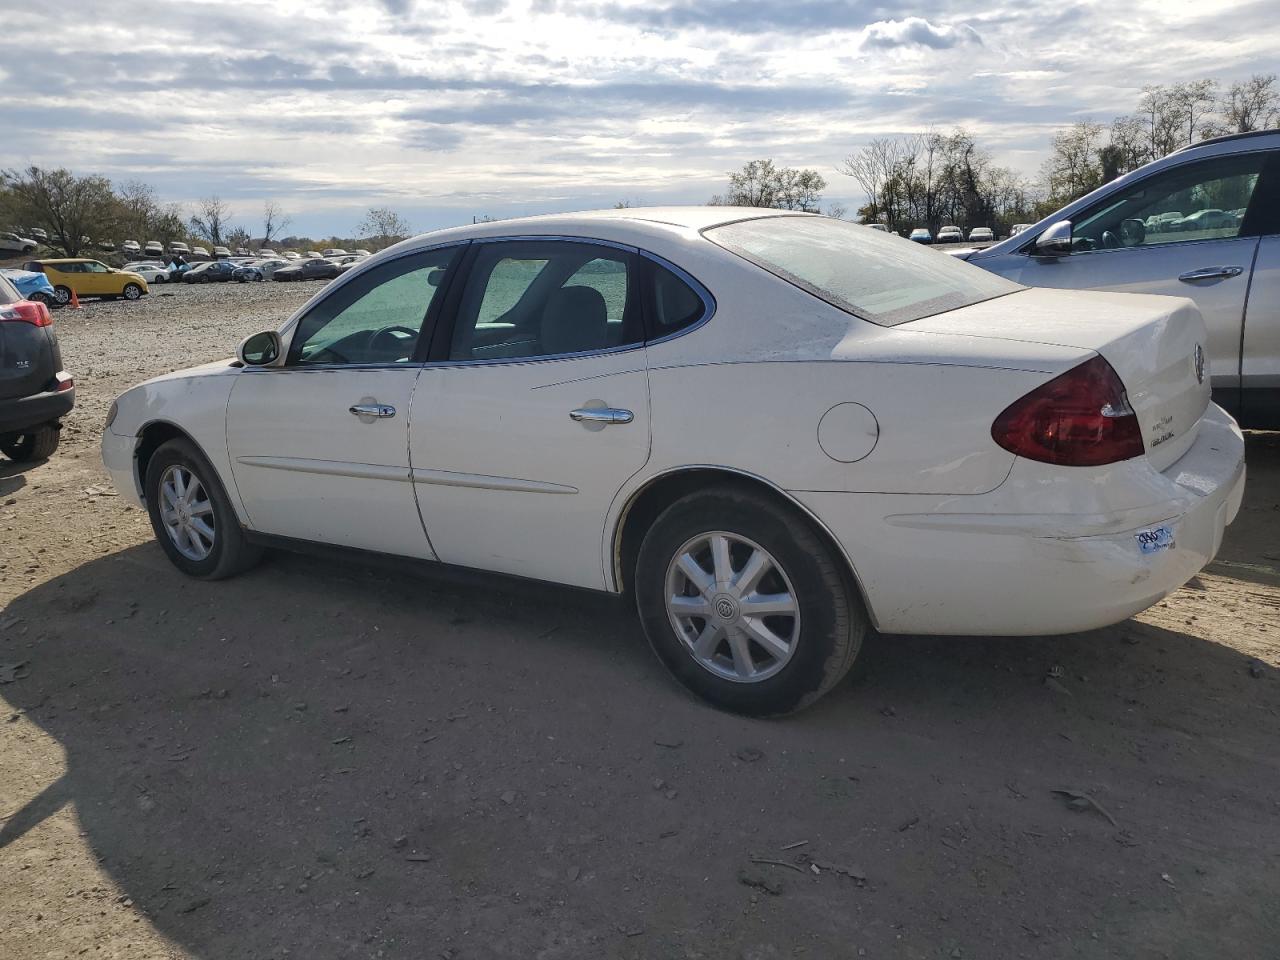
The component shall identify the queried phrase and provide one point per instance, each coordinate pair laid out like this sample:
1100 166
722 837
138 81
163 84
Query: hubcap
733 605
186 512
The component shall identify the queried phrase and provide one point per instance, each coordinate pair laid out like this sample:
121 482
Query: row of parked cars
268 266
952 234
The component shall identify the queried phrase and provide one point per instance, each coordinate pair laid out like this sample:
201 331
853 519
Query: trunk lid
1155 344
27 354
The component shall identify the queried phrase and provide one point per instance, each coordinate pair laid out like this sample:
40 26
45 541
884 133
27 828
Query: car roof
57 260
1230 138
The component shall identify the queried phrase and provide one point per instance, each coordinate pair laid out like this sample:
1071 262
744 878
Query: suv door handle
372 410
604 415
1210 273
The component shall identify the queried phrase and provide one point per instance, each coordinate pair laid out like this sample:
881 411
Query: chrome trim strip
480 481
329 468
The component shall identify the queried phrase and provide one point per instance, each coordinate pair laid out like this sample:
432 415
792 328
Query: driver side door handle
1210 273
375 411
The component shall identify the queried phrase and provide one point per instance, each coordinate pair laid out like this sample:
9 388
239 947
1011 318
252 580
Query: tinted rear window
877 277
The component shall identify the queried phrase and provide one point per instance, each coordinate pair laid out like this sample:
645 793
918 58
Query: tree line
931 179
80 213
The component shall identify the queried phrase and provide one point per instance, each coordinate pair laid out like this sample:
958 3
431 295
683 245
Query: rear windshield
878 277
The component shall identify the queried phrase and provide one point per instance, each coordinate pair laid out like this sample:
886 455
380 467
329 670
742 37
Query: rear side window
880 278
675 304
8 292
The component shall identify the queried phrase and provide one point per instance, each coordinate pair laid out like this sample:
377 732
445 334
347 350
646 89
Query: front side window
376 318
541 298
93 266
1197 201
880 278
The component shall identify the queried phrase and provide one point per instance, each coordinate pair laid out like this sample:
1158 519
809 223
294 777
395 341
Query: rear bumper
1014 569
23 413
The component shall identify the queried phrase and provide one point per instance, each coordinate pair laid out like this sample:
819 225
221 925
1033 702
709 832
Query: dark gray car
35 392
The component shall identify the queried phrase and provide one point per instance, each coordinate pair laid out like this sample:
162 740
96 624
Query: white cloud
445 109
918 32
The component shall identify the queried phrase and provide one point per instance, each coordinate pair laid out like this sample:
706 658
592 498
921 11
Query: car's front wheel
193 520
62 294
38 443
745 603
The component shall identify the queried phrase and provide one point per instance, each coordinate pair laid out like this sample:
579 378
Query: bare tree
873 167
1193 102
1072 169
211 220
68 207
1252 104
274 221
762 184
382 227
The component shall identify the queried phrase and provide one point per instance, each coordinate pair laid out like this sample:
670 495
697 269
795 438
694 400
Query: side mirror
1055 241
260 349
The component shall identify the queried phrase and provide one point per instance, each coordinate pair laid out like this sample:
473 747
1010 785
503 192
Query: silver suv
1203 223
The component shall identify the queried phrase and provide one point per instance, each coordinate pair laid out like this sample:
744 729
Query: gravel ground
321 759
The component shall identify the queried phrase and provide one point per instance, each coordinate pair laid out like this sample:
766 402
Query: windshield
877 277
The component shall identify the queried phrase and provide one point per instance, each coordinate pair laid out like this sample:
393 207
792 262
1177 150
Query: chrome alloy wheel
187 512
733 605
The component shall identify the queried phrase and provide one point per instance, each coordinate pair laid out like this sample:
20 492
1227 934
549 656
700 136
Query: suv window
540 298
1196 201
377 317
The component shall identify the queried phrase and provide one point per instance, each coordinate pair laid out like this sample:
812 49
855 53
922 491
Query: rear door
1190 231
534 410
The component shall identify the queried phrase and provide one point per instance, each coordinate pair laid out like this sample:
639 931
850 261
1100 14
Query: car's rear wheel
38 443
62 294
192 517
745 603
40 297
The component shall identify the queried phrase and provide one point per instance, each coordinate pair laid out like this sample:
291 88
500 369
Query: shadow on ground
333 761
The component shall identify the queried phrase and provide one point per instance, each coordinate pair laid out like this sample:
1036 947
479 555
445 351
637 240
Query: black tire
62 294
833 620
44 298
38 443
231 552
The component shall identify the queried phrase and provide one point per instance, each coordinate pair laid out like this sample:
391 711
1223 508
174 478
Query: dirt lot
320 760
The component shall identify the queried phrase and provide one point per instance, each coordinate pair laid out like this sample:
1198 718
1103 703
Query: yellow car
88 278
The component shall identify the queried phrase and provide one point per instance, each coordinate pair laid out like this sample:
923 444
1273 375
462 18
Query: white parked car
771 430
154 248
177 247
981 235
150 272
335 252
13 243
949 234
131 247
222 253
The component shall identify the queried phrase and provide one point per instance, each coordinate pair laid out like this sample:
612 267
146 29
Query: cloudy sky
504 107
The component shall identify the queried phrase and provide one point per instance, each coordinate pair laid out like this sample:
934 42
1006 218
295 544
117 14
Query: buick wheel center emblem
1199 361
726 609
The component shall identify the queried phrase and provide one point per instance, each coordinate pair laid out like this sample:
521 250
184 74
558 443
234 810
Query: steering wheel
1110 241
396 336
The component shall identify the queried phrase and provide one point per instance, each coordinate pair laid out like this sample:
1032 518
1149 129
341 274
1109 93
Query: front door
534 411
1184 232
320 446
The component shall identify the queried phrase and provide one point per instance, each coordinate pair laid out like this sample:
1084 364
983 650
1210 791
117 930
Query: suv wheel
39 443
745 603
192 517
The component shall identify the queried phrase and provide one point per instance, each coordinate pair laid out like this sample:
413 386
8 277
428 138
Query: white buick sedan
773 430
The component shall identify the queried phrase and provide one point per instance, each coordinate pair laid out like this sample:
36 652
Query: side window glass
376 318
675 304
539 298
1201 201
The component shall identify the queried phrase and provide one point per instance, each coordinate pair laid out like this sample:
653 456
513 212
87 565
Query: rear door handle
1210 273
372 411
602 415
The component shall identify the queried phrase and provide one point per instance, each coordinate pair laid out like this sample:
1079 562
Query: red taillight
1079 419
26 311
